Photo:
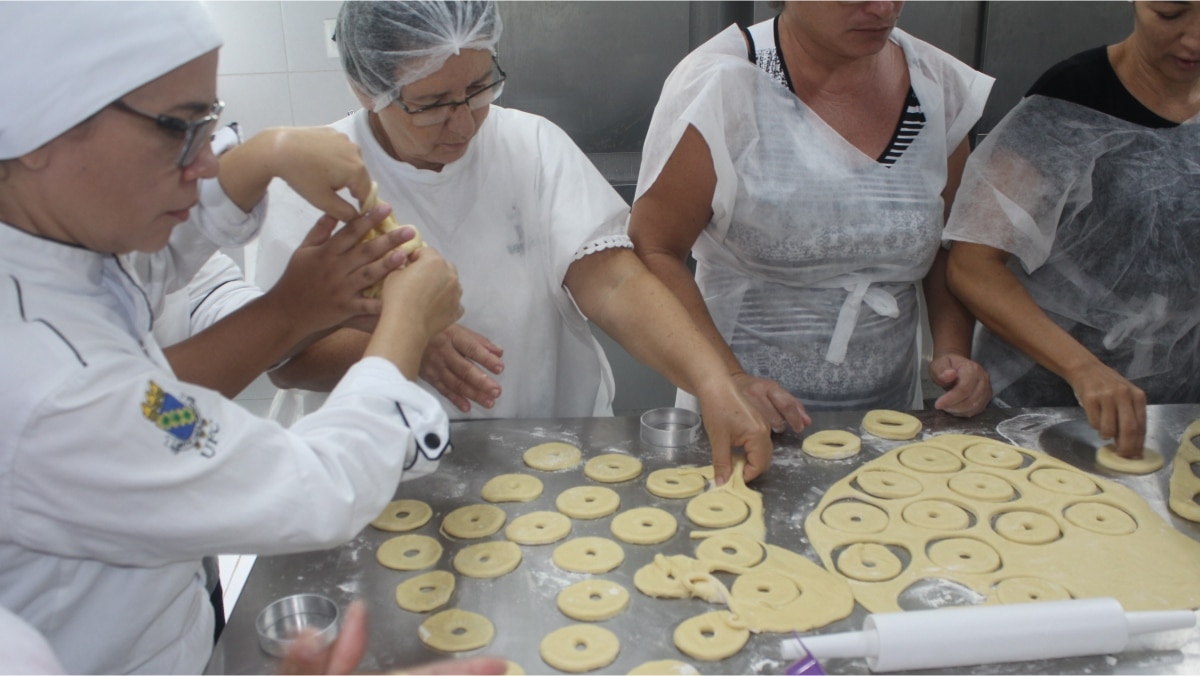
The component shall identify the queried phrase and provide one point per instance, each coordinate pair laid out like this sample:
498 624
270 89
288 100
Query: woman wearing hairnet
537 234
1092 185
807 164
117 475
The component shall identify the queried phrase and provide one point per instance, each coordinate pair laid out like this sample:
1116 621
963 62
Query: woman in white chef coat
537 234
117 476
1076 231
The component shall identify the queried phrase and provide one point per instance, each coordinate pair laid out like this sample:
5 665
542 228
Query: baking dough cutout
982 486
1029 589
1185 485
936 515
1064 481
612 468
553 456
644 526
717 509
588 502
579 648
1151 461
964 555
676 482
512 488
403 515
409 552
831 444
588 555
385 226
869 562
426 592
1027 527
1101 518
538 528
710 636
663 668
855 516
998 456
754 526
888 485
454 631
930 459
593 600
488 559
473 521
891 425
731 549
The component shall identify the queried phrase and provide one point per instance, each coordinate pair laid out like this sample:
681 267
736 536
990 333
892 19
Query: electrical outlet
331 49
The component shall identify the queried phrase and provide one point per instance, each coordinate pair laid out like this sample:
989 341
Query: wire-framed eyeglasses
196 133
478 96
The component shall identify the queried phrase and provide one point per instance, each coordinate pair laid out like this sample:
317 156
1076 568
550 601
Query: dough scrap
612 468
1185 485
426 592
553 456
710 636
588 502
455 630
580 647
512 488
403 515
385 226
588 555
538 528
676 482
717 509
488 559
593 600
891 425
644 526
473 521
831 444
1151 460
409 552
663 668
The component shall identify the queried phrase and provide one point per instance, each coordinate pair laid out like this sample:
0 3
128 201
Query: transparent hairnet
387 45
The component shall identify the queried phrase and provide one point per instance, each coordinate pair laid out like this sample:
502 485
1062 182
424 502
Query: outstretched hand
457 361
776 405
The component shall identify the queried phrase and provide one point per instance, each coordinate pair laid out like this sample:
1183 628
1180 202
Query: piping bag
960 636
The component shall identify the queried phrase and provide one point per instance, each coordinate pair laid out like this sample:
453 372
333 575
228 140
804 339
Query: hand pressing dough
403 515
754 526
593 600
644 526
710 636
385 226
1151 460
1185 485
512 488
538 528
717 509
588 502
831 444
588 555
612 468
488 559
409 552
663 668
891 425
454 631
579 648
424 593
553 456
473 521
676 482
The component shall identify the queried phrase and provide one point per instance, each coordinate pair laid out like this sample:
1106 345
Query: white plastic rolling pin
960 636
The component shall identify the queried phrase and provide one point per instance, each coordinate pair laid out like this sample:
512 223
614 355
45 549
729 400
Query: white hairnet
387 45
63 61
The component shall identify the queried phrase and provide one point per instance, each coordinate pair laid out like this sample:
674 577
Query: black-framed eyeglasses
196 133
437 113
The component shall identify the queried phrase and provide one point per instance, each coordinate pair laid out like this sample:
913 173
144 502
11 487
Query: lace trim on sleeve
609 242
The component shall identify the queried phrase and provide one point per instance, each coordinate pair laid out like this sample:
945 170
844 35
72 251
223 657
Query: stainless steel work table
521 604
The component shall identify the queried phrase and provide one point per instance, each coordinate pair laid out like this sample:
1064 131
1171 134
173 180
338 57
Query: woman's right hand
454 364
420 300
1115 407
775 404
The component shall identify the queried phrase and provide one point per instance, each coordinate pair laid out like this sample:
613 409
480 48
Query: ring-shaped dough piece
1151 461
982 486
1098 517
853 516
731 549
964 555
488 559
888 485
579 648
403 515
676 482
717 509
553 456
655 582
454 631
891 425
1027 528
512 488
409 552
588 502
831 444
765 588
644 526
1028 589
663 668
994 455
473 521
588 555
710 636
936 515
612 468
929 459
538 528
1063 481
868 562
593 600
425 592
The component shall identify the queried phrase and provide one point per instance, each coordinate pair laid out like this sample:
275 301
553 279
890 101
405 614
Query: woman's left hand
967 384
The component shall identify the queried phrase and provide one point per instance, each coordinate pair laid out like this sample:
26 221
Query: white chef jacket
511 215
116 478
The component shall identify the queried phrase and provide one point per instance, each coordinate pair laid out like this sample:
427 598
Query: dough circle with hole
588 555
731 549
580 647
593 600
538 528
936 515
1027 528
425 592
831 444
403 515
644 526
964 555
717 509
1062 481
612 468
676 482
455 630
1151 461
553 456
512 488
868 562
1027 589
766 588
982 486
929 459
488 559
852 516
663 668
891 425
888 485
409 552
473 521
710 636
1100 518
994 455
588 502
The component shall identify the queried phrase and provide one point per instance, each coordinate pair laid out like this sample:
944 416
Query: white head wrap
387 45
64 61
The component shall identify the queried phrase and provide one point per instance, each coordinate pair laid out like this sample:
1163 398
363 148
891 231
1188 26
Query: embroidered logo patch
177 416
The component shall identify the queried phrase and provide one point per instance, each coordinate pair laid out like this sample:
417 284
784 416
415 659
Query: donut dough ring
930 459
765 587
731 549
663 668
888 485
831 444
1027 528
936 515
473 521
717 509
488 559
676 482
982 486
1101 518
612 468
426 592
1063 481
454 631
553 456
588 555
409 552
644 526
868 562
588 502
995 455
964 555
1151 461
1029 589
710 636
403 515
853 516
891 425
512 488
1185 485
538 528
593 600
385 226
579 648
